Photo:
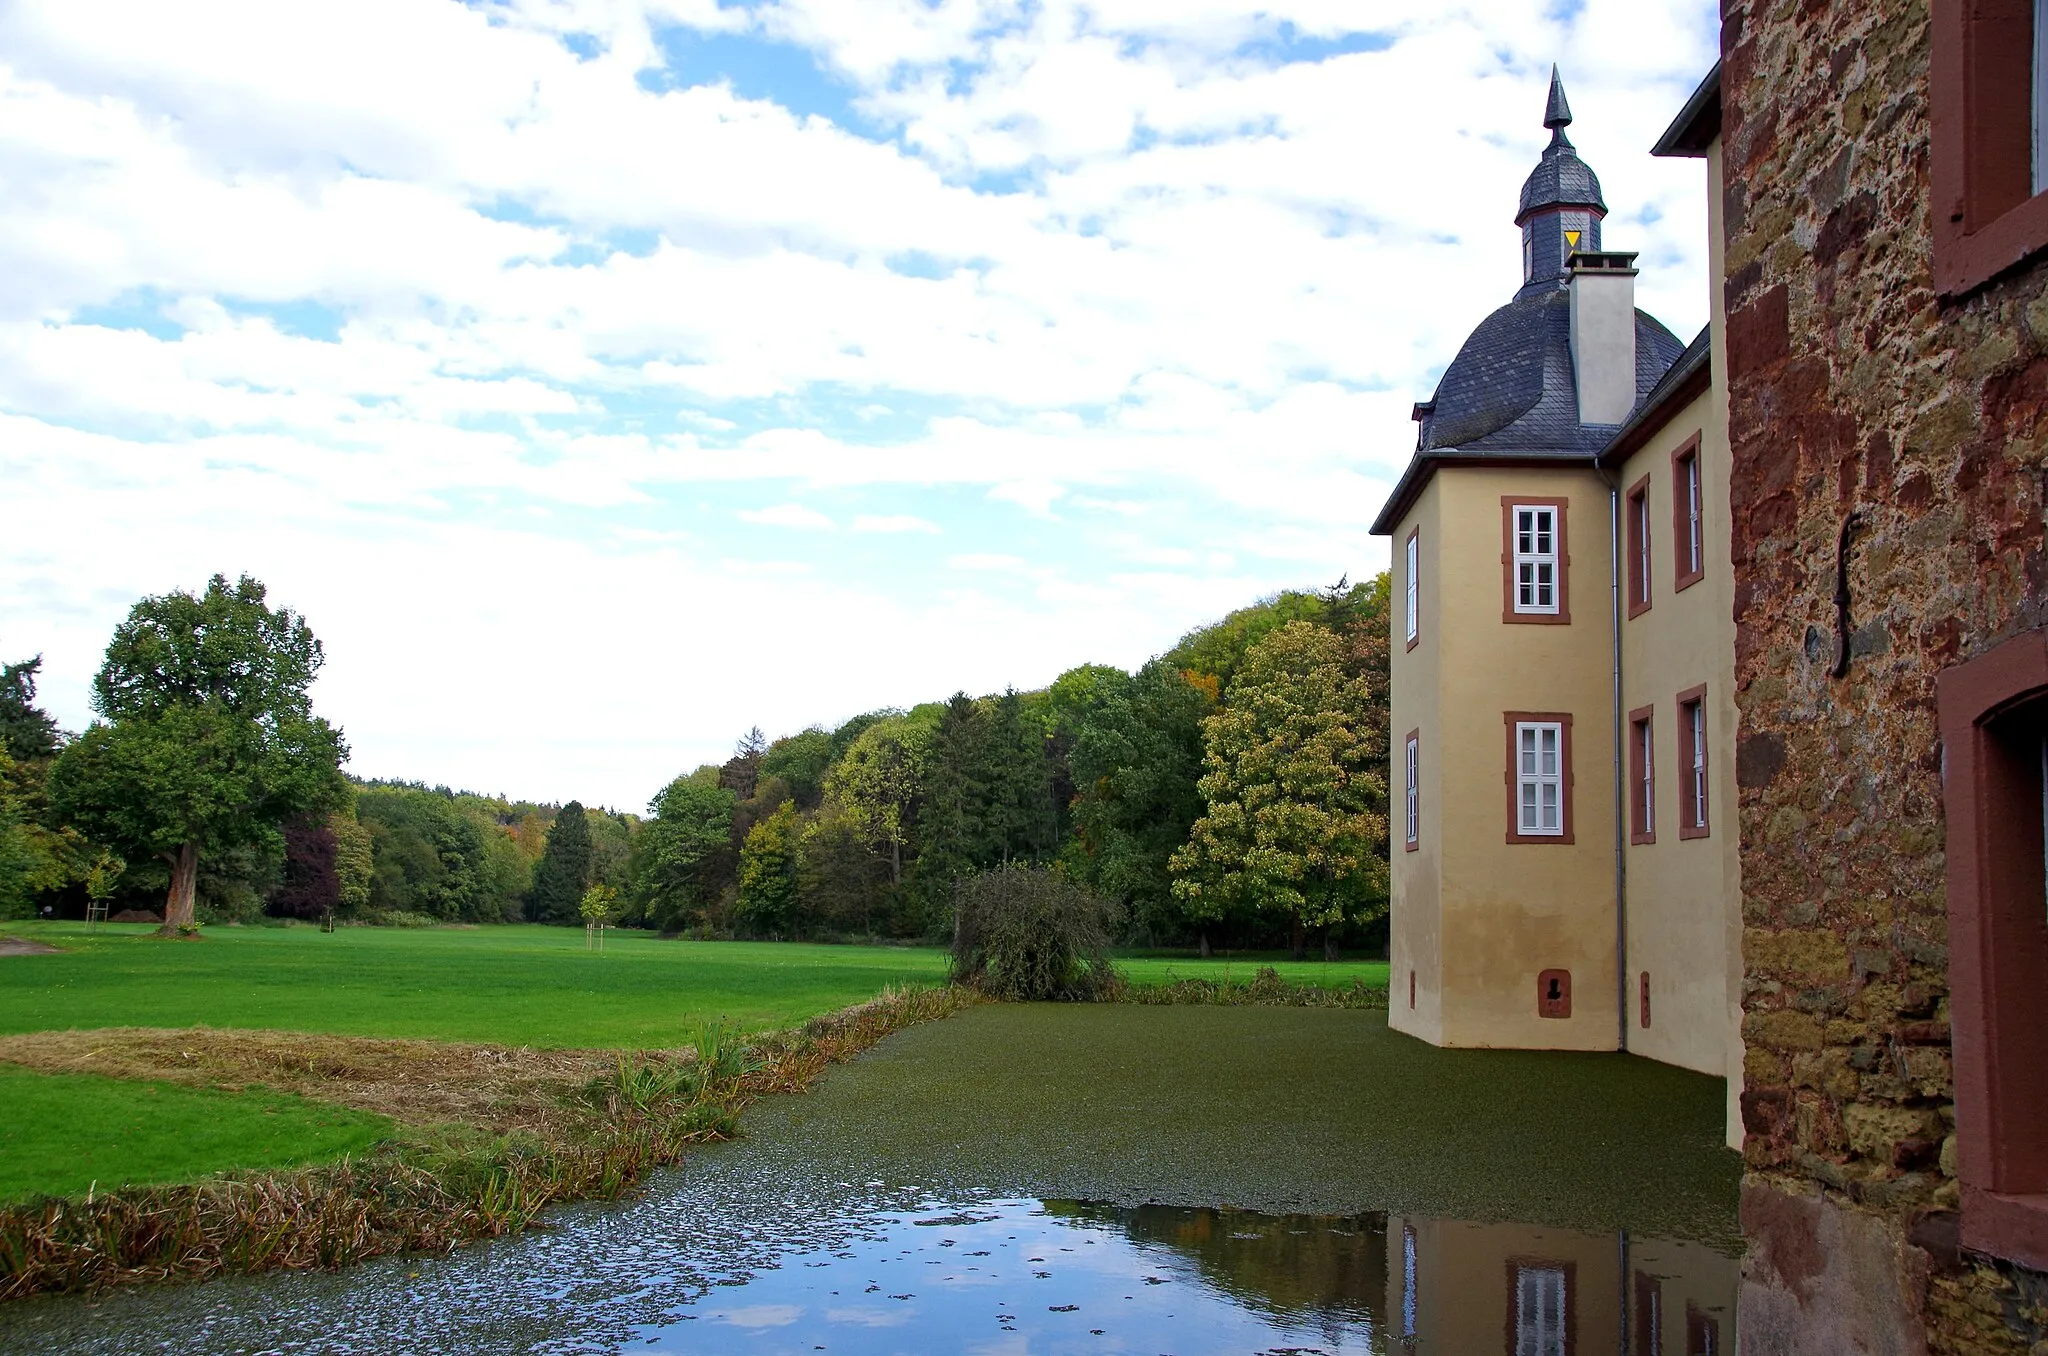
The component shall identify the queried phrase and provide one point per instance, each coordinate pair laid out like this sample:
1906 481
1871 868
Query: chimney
1603 288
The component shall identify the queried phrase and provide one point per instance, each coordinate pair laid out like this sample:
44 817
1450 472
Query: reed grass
489 1169
1264 989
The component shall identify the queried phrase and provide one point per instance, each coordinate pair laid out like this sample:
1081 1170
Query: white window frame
1648 789
1542 1306
1414 796
1698 734
1534 568
1643 550
1532 780
1692 502
1414 551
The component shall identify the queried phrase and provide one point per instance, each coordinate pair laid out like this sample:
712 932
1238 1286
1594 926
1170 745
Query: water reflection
1059 1276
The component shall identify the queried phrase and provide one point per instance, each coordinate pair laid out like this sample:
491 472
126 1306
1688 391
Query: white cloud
456 335
895 522
788 515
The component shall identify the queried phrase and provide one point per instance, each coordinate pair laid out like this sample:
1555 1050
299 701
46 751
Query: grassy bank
487 1137
70 1134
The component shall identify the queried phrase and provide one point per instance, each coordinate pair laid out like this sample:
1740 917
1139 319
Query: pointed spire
1557 113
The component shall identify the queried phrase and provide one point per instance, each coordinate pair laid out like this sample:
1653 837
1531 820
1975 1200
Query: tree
354 863
878 782
563 873
801 760
743 769
768 895
842 882
679 850
206 739
1220 647
27 734
1295 790
1136 760
1031 933
311 886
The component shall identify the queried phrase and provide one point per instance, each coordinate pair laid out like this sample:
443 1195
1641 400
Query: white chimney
1603 287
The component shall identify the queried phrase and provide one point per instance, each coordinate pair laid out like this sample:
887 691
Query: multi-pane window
1639 547
1535 558
1540 1311
1689 554
1692 770
1414 795
1414 598
1642 771
1539 778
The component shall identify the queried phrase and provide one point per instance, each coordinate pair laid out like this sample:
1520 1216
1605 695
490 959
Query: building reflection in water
1427 1284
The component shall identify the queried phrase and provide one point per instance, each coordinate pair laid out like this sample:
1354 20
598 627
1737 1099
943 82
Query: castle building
1565 871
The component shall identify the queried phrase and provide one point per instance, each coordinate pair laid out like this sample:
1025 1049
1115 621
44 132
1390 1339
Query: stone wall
1854 390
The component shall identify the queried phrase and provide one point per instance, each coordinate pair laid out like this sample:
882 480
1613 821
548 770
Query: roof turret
1560 178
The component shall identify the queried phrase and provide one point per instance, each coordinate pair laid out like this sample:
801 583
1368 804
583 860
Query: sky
601 378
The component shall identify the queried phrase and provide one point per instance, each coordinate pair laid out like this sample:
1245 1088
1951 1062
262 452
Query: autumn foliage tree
1295 790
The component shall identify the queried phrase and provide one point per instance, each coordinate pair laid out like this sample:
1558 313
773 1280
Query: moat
1084 1179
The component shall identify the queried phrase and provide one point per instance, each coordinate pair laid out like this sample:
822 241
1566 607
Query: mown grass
506 985
68 1134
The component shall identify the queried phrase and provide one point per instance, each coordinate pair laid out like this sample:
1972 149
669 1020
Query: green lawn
510 985
63 1133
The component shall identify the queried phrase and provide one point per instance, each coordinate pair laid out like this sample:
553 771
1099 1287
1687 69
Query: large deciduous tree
878 785
680 853
768 901
206 740
1295 789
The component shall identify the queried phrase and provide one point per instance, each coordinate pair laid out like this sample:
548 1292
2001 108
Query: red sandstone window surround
1688 507
1994 739
1692 763
1642 776
1639 547
1535 565
1539 776
1987 216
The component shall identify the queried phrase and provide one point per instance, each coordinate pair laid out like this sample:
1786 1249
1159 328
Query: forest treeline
1232 789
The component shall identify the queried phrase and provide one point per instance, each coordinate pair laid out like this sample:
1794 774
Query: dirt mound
135 916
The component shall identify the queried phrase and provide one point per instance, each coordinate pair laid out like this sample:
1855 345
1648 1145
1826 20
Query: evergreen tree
563 872
26 733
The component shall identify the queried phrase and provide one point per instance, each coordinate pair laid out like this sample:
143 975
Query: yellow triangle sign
1571 238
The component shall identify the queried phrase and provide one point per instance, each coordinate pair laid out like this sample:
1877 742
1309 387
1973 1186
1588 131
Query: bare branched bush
1030 933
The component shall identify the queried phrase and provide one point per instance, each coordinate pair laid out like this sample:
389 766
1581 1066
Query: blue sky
602 377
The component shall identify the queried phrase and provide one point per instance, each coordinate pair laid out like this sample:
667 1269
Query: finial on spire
1557 114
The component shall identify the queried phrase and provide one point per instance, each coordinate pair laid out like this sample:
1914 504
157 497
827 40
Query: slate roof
1560 178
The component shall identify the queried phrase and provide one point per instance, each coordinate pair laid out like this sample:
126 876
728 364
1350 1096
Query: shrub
1032 933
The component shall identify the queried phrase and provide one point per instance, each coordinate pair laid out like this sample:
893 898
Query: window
1702 1334
1688 549
1649 1316
1414 795
1642 776
1639 547
1535 558
1535 564
1692 763
1994 728
1542 1308
1414 600
1986 106
1539 777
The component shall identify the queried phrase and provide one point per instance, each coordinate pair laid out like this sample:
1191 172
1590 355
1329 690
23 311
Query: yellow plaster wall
1477 917
1465 1282
1414 939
